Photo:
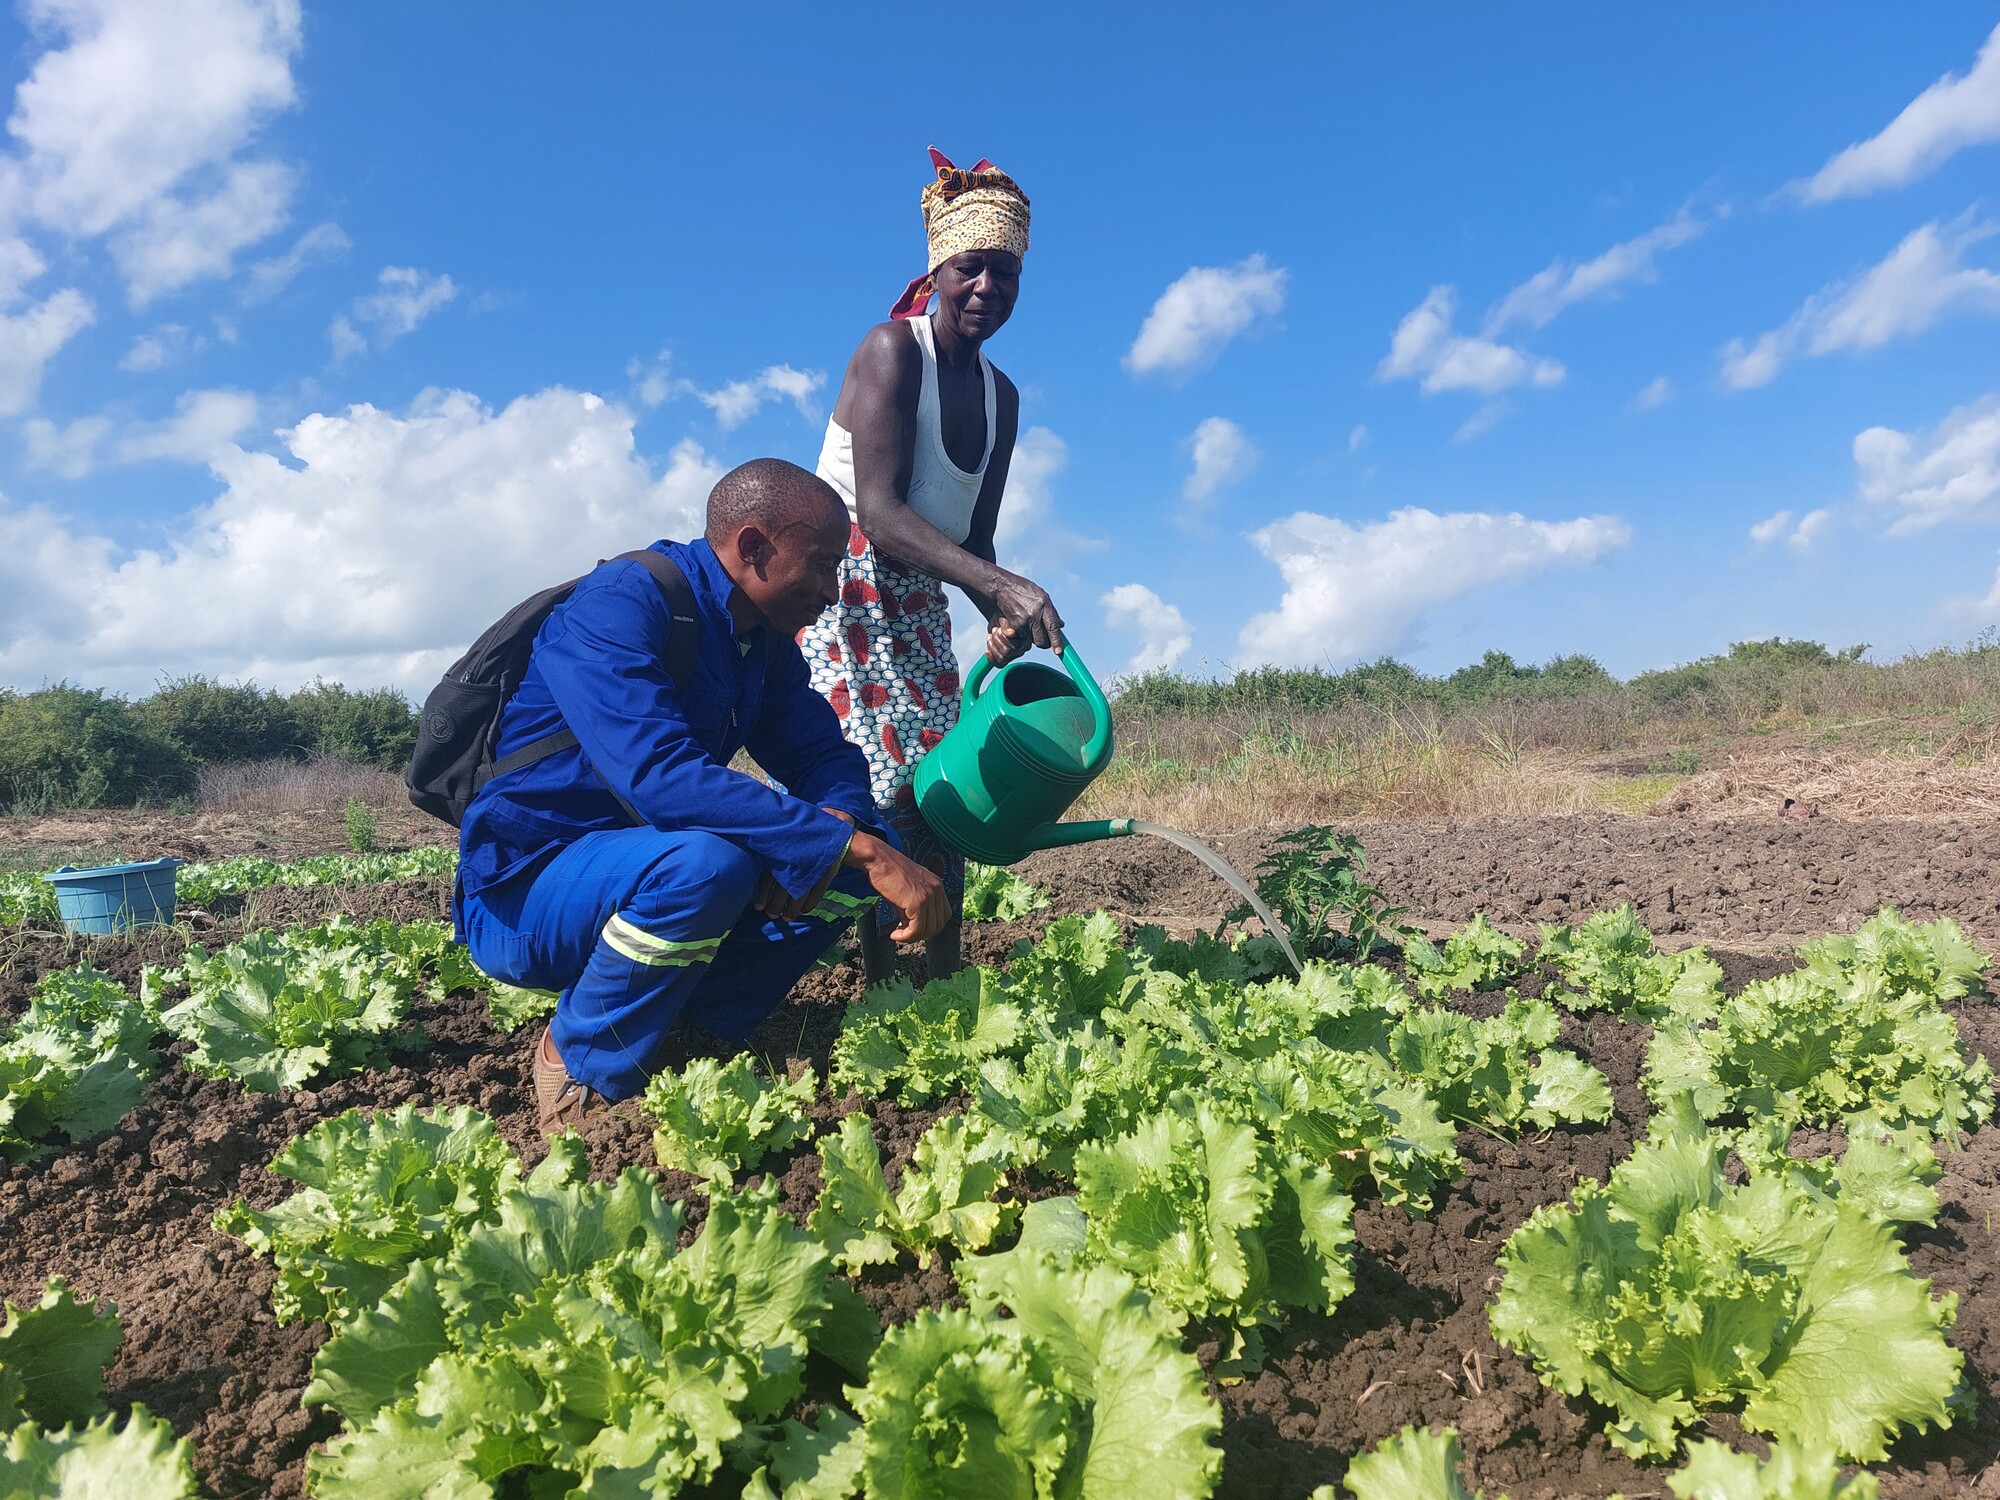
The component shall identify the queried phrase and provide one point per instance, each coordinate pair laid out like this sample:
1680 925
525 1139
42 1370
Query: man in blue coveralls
708 911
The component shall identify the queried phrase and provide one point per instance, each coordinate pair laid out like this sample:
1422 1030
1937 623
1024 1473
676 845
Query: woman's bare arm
878 407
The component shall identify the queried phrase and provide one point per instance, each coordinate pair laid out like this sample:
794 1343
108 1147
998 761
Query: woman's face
976 291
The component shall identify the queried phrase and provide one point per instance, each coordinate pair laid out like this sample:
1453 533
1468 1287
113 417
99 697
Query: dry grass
265 786
1257 767
1757 781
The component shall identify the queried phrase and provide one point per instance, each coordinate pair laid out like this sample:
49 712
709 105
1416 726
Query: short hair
770 493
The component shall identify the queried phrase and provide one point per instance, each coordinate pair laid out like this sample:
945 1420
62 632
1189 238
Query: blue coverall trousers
639 928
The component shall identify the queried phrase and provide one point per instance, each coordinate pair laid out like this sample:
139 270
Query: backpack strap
683 652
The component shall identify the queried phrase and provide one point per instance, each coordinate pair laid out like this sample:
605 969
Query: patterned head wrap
977 210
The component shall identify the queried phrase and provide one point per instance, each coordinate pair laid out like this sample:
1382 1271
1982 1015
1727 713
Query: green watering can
1022 751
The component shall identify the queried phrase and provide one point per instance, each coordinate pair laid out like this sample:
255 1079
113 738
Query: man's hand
771 898
904 884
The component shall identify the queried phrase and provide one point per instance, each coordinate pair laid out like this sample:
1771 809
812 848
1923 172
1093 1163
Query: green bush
1387 682
66 746
213 721
377 728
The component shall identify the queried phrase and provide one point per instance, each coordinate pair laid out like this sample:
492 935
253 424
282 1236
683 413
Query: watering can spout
1089 831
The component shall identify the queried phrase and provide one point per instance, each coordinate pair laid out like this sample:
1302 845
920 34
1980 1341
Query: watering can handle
1093 695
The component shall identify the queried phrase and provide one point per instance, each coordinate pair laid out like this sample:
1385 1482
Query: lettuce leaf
718 1119
1860 1027
1715 1471
1476 957
1671 1289
1083 1392
77 1061
1413 1464
947 1195
378 1192
927 1043
52 1357
98 1461
1609 963
995 894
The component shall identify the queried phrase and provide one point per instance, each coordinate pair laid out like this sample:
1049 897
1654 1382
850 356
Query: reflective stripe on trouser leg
656 952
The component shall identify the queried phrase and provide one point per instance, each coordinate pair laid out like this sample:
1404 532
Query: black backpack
461 719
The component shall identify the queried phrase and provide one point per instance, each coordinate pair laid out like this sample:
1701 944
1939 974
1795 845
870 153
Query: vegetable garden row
1143 1165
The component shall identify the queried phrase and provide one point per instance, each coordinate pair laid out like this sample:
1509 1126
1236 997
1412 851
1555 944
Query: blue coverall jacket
637 926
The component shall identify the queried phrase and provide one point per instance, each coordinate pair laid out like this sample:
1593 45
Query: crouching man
657 889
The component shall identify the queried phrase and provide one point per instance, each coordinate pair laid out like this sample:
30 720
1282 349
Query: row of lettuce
1213 1123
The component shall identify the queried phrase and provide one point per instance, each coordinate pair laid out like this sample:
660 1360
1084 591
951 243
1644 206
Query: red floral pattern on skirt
882 656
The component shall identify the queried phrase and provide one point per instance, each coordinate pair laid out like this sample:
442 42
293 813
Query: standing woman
918 446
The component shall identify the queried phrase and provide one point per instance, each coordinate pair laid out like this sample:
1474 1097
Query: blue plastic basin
115 898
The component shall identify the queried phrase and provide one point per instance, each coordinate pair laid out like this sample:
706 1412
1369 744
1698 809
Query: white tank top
940 491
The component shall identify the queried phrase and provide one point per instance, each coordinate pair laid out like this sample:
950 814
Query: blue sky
331 333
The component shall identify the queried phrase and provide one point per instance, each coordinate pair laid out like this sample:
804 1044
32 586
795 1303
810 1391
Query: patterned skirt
882 657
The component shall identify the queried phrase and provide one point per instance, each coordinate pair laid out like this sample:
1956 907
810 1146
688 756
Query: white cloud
164 346
1358 439
1990 605
69 450
1354 592
178 242
1919 282
736 402
1958 110
322 242
1204 310
1657 392
1812 525
403 298
131 128
1425 348
1223 454
1770 528
30 338
1562 284
1163 630
204 424
418 530
1483 421
1951 473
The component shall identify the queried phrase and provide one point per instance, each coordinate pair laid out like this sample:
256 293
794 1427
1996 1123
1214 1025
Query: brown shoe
561 1103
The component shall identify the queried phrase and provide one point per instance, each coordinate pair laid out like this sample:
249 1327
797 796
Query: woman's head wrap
977 210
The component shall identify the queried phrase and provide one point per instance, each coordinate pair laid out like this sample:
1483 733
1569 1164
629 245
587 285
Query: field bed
127 1216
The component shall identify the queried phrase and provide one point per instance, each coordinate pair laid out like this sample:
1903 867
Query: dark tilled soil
128 1216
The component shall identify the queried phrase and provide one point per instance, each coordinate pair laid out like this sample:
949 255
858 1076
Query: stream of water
1227 871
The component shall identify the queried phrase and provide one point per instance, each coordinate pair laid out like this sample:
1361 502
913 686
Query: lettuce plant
1082 1391
947 1195
1476 957
1671 1289
718 1119
76 1062
1212 1221
568 1346
199 884
923 1045
1609 963
277 1010
1715 1471
1502 1072
377 1193
1813 1045
996 894
102 1458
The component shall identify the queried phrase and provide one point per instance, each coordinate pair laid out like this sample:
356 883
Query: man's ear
754 547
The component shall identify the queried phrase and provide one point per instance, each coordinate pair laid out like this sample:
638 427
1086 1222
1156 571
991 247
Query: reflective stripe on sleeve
837 906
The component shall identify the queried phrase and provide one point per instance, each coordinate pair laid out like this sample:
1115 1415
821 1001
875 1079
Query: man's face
794 575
